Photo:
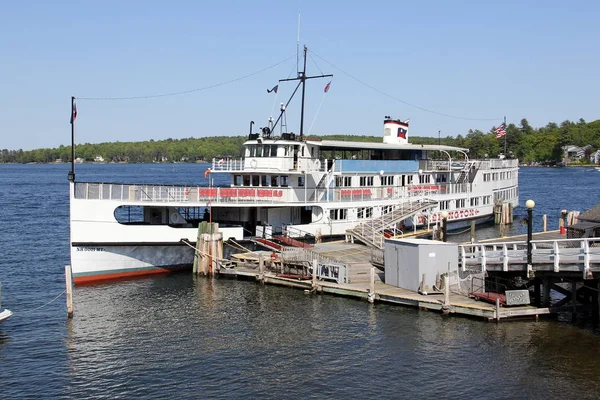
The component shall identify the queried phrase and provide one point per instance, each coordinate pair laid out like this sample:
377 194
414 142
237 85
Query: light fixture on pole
529 204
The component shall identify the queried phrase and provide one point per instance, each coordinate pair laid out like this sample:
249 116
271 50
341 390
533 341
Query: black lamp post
444 216
529 204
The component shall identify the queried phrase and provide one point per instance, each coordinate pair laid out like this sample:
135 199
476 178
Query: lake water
178 336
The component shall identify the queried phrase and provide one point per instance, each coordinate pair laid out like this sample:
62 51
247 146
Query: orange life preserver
206 172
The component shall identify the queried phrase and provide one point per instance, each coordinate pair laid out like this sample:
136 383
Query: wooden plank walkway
357 258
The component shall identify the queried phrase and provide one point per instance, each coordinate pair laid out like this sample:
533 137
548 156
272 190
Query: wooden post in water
473 231
497 309
372 286
261 268
574 299
546 292
315 265
69 282
545 223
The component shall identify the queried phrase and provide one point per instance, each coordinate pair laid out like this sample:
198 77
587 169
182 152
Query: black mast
302 78
71 175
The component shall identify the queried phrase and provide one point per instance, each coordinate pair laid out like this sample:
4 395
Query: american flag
73 112
500 131
327 87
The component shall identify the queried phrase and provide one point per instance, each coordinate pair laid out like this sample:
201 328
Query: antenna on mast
298 46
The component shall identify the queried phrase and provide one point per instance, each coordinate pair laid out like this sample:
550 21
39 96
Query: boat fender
253 164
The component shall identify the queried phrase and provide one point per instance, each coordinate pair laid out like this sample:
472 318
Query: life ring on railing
253 164
274 257
206 172
318 164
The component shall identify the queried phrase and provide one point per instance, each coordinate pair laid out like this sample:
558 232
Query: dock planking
357 259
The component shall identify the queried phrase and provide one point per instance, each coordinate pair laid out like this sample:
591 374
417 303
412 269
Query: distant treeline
524 142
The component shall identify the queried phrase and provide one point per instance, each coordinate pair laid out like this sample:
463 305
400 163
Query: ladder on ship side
372 231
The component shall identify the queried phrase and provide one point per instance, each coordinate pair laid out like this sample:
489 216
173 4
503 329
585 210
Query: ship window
366 181
284 180
341 181
387 132
264 180
474 201
409 180
387 209
486 199
266 151
300 181
460 203
287 150
445 205
365 212
424 178
274 180
255 180
338 214
387 180
246 180
441 178
237 180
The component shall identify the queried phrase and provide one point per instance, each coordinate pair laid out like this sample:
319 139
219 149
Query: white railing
243 195
328 268
547 255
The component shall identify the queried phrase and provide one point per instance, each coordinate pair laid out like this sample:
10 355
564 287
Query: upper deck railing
248 195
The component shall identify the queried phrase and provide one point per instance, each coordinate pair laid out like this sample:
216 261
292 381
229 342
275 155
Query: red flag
327 87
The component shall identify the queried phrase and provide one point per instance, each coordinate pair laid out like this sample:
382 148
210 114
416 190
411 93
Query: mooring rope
42 306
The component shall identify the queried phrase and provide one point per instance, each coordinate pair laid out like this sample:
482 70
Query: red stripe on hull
91 279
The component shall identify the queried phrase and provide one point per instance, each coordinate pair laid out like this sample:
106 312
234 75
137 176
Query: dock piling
69 283
371 297
497 309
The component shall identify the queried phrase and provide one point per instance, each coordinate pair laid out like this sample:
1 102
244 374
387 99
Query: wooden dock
363 281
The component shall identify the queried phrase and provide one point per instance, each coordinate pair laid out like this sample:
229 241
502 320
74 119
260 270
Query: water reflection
199 337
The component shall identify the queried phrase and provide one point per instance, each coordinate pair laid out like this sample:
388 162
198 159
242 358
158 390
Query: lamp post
529 204
444 216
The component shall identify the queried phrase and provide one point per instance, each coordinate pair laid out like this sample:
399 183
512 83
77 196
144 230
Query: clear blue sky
471 59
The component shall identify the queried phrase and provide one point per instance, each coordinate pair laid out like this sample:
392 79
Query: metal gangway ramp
372 231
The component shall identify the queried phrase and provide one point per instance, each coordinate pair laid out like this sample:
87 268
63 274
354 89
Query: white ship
286 186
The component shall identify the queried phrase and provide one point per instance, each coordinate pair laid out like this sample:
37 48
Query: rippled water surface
180 337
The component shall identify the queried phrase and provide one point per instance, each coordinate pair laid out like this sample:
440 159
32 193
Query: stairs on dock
374 231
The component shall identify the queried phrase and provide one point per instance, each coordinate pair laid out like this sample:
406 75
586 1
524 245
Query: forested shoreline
528 144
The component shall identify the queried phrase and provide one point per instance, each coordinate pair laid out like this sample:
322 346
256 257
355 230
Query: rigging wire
400 100
317 113
190 90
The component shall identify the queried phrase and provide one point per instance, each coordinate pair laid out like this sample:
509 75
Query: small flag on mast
500 131
327 87
73 112
274 89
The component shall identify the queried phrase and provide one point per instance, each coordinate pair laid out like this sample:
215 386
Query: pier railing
571 255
